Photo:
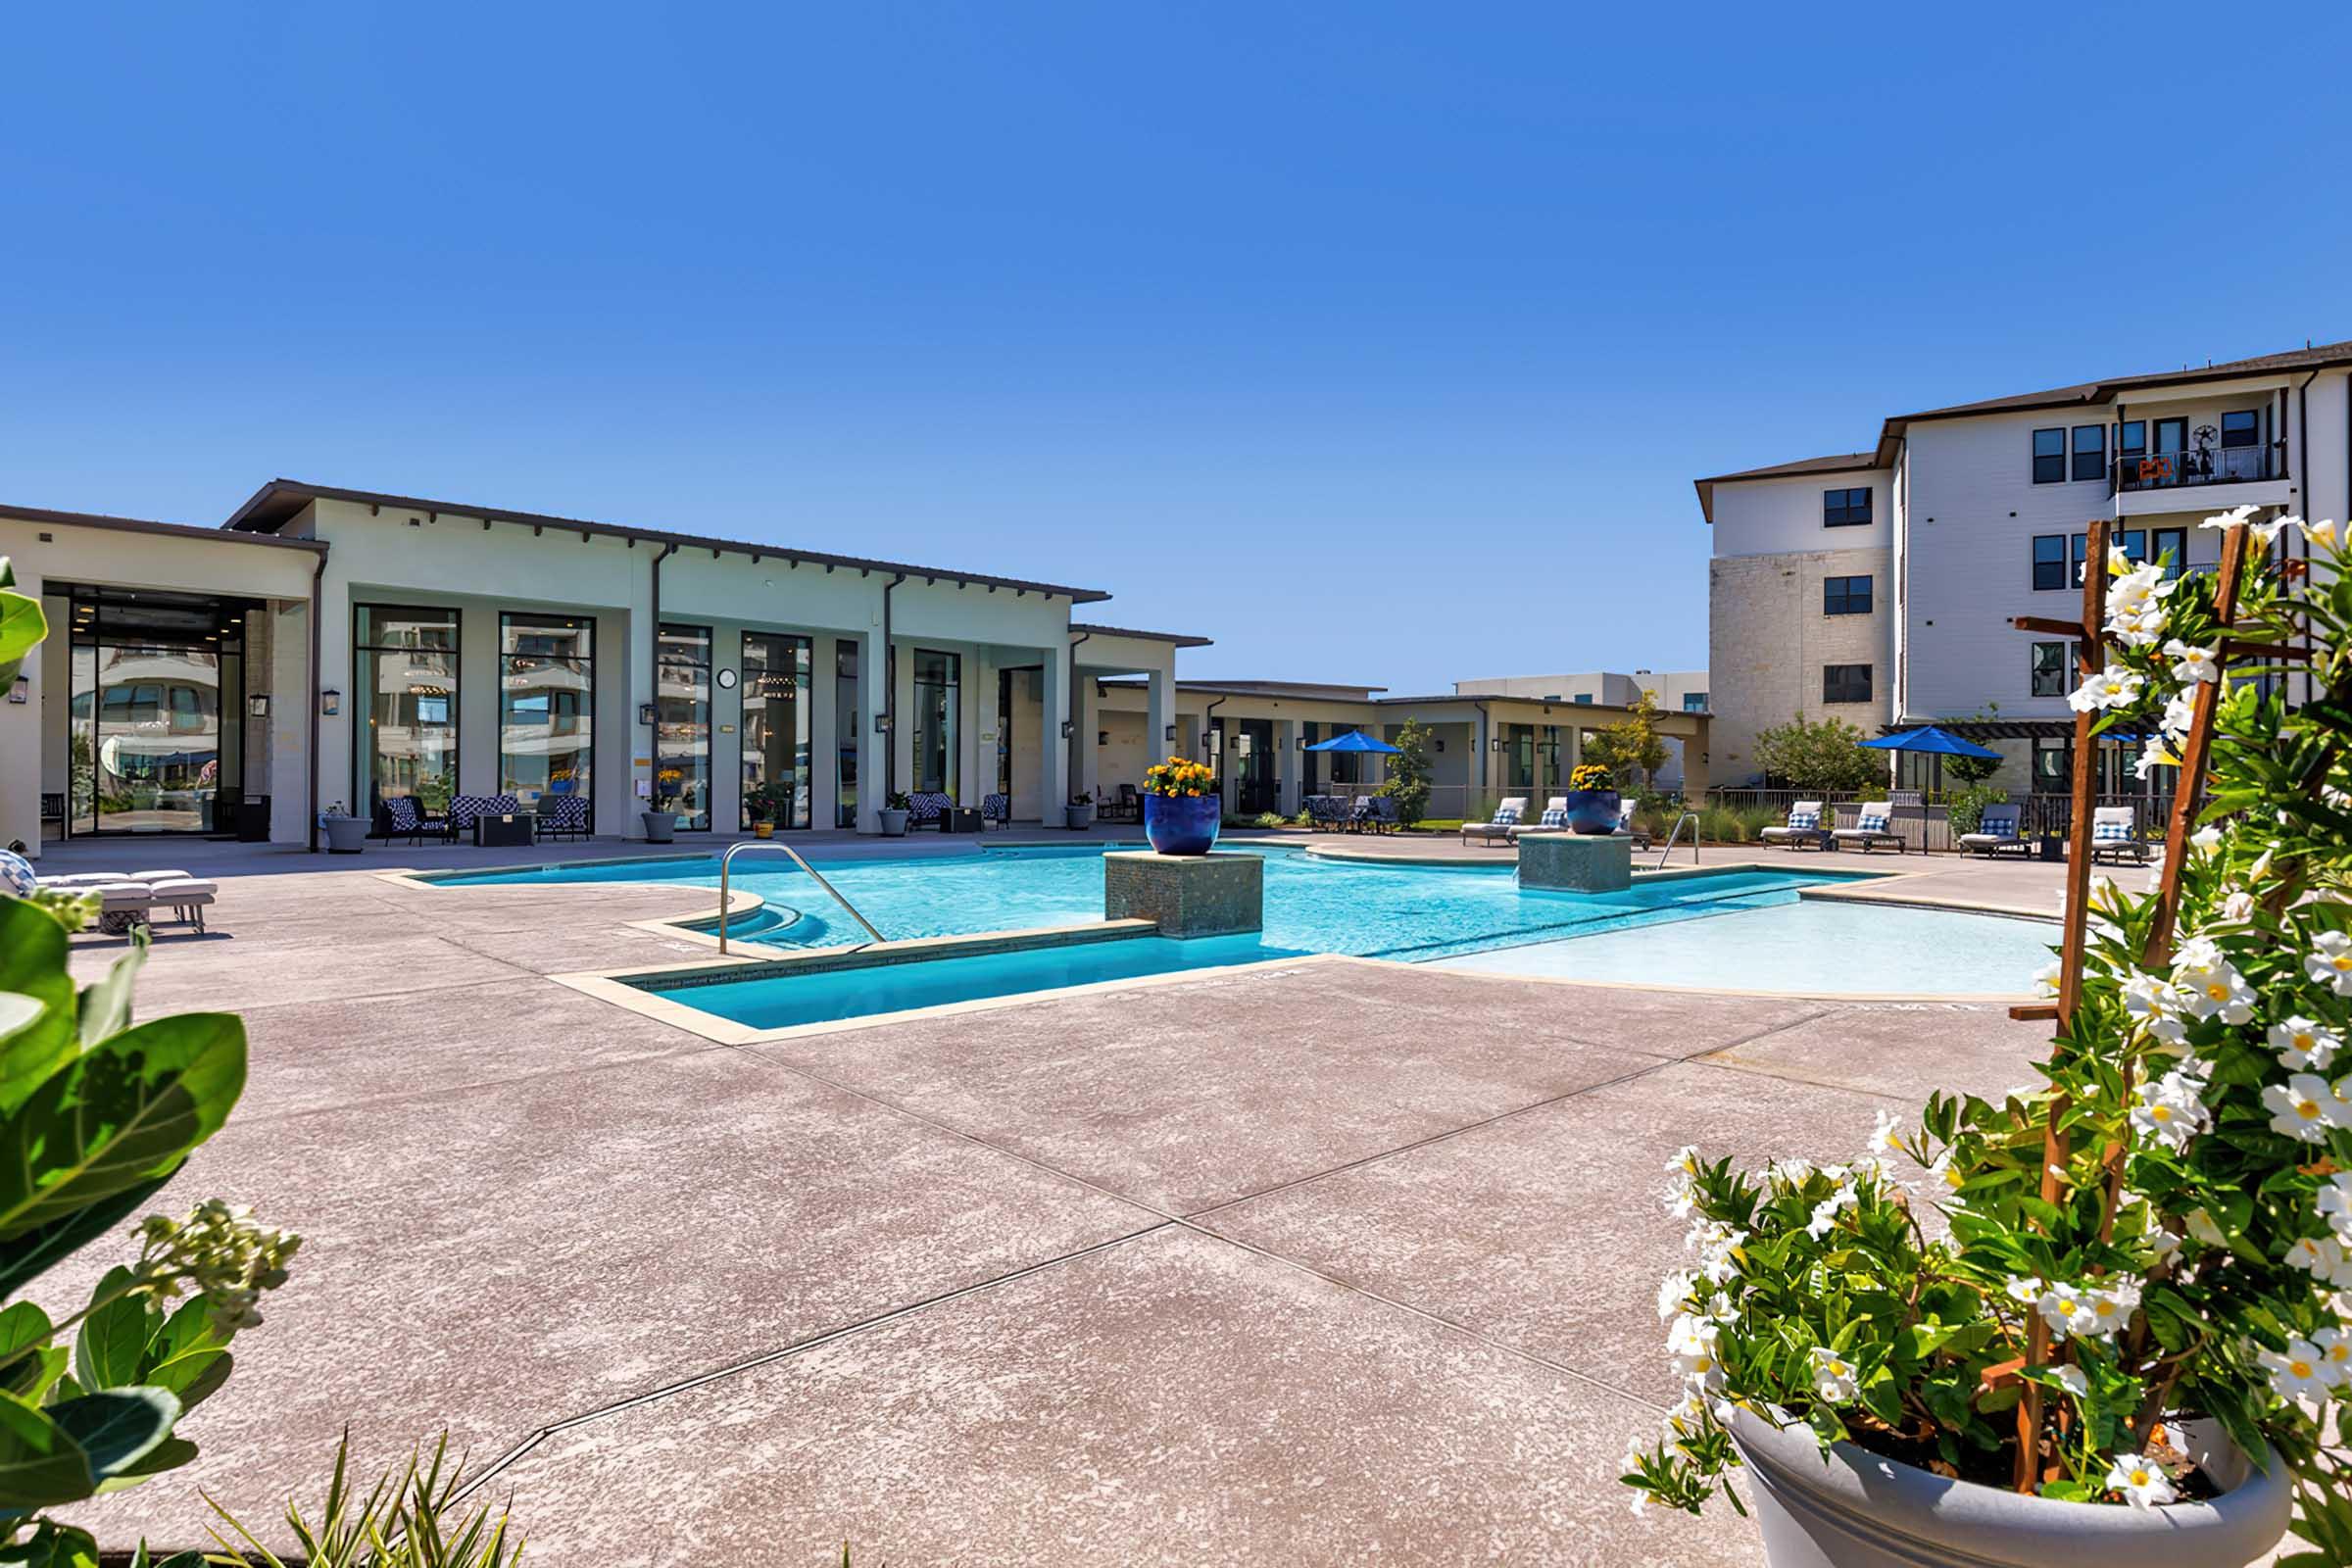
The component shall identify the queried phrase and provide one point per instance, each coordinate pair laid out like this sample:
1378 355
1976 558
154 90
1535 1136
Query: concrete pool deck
1304 1263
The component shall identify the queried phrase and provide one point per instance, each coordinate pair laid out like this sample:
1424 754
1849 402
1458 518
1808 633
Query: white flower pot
345 835
1852 1509
894 823
660 827
1080 818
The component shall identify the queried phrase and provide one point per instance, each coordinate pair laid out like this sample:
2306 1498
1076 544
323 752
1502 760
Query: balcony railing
2171 471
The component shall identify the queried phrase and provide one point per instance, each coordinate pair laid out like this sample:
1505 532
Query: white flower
1674 1293
2143 1485
2213 987
2207 838
2301 1369
2202 1227
2330 962
1941 1173
2262 865
2326 534
2045 980
2164 1244
2152 756
1834 1380
2302 1043
1824 1212
1887 1137
2192 663
2238 909
2335 1352
2335 1205
2170 1110
2137 628
2304 1108
2235 516
1718 1248
2179 713
2069 1310
1685 1162
1691 1346
2321 1258
2113 687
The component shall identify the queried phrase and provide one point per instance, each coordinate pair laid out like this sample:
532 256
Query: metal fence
1929 824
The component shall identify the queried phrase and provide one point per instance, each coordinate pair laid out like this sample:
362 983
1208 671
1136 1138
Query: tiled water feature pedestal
1574 863
1188 895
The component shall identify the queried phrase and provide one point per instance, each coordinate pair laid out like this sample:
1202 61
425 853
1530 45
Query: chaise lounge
1502 828
1871 831
1802 827
132 898
2115 834
1996 830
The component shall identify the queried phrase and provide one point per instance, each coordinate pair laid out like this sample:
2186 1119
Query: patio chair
1553 821
1870 832
405 819
1502 828
1996 830
563 816
1131 805
2115 833
929 807
1322 811
1802 827
996 810
1626 828
1359 814
1384 819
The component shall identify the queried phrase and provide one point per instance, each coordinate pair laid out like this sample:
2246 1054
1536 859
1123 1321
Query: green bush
1741 824
415 1523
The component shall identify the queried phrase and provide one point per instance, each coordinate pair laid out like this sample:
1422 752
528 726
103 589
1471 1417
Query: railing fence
1929 825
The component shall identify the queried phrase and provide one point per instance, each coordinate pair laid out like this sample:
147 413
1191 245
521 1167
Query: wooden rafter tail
2276 653
2189 790
2046 626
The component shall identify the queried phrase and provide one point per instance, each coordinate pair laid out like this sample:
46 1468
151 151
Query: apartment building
1877 586
1683 689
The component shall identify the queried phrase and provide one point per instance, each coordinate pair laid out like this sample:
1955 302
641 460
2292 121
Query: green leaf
126 1111
169 1455
22 628
32 964
52 1545
25 1257
40 1465
118 1428
106 1006
109 1350
189 1355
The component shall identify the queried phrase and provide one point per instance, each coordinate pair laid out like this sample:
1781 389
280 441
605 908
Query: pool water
1409 912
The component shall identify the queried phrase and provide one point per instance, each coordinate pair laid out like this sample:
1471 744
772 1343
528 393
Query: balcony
2196 468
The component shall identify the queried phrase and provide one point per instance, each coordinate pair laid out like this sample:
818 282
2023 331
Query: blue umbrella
1929 738
1355 740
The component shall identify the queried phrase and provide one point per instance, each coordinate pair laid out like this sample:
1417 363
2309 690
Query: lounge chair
2115 833
563 816
1870 832
405 819
1996 830
1384 817
996 810
1802 827
1131 805
929 807
133 899
1625 824
1503 827
1360 815
1553 821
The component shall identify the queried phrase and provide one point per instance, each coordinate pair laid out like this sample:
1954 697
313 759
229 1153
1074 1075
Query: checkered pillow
1804 821
1555 816
2111 832
1874 822
1504 817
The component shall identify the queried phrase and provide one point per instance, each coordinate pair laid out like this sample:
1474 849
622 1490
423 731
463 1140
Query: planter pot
345 835
660 827
1592 811
763 830
1182 824
1853 1509
894 823
1080 818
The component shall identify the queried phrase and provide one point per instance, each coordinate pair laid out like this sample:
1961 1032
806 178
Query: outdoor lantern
1069 727
881 724
648 715
21 689
1101 737
258 706
1494 745
1205 738
1170 737
331 702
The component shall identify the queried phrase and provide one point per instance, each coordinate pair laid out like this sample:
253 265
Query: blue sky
1377 342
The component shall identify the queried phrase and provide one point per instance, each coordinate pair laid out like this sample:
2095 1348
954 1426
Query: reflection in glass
936 678
406 705
155 746
682 735
775 726
546 705
844 733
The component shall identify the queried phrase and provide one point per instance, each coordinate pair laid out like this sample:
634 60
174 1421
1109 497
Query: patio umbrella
1933 741
1355 742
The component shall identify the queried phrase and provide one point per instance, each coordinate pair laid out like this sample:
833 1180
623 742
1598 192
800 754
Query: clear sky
1379 343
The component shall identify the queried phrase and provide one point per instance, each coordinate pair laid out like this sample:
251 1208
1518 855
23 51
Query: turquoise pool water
1410 912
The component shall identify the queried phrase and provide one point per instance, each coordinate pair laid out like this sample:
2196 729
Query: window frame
1837 595
2038 563
2253 428
1839 512
2096 469
2035 673
2056 459
363 658
1831 685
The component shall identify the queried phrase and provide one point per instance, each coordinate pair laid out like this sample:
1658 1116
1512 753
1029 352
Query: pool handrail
728 860
1690 817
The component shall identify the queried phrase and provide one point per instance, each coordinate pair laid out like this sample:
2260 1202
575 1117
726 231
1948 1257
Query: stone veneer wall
1767 641
1188 896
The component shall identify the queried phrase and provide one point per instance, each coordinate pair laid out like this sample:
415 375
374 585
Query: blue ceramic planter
1592 811
1182 824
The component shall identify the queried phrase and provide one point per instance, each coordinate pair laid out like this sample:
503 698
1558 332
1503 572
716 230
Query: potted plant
346 834
893 814
1080 812
1181 807
765 803
1593 800
2128 1342
660 826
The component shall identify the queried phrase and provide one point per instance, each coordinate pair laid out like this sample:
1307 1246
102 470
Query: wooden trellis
2090 636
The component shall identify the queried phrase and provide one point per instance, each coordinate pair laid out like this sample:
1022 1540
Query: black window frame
2092 464
1837 595
2130 439
2047 676
1837 684
2175 540
1839 509
2051 572
2249 436
2049 467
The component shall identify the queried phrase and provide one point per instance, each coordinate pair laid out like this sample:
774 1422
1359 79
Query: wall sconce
1101 737
20 690
1069 727
1206 739
1303 743
258 706
1494 745
648 715
881 724
1440 743
331 702
1170 736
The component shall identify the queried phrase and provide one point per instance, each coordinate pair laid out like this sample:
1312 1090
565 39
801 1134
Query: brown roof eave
171 530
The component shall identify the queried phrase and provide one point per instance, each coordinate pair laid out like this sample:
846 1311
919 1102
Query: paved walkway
1316 1264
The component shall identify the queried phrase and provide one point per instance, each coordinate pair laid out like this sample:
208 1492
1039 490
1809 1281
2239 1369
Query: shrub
1824 757
1966 807
1408 783
414 1522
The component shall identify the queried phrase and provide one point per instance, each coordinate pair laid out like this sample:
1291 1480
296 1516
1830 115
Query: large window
682 725
1845 683
846 732
1519 756
2049 456
2053 766
2049 670
937 677
1695 701
2170 546
2241 427
546 705
2131 440
2090 451
2058 560
405 712
775 727
1846 508
1845 596
2049 561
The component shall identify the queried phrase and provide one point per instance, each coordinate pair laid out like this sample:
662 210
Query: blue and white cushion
17 877
401 811
996 807
2111 832
1873 822
1804 821
1506 816
1555 816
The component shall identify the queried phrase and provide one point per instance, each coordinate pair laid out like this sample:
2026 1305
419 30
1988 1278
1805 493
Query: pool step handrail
728 860
1690 817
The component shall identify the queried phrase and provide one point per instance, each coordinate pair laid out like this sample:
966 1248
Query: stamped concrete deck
1318 1264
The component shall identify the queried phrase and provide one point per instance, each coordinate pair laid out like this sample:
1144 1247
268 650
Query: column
20 727
1086 714
1287 760
873 685
825 768
1055 749
1160 716
291 702
976 728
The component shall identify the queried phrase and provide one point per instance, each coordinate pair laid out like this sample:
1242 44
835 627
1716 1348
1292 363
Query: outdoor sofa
128 899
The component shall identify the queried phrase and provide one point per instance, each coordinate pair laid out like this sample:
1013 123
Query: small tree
1631 748
1968 770
1825 755
1407 783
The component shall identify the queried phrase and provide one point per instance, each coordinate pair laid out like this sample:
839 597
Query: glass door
844 733
150 677
775 729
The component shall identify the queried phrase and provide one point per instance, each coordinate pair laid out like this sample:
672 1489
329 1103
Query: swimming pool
1414 913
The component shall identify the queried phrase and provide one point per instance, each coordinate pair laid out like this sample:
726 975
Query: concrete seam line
810 1342
1748 1071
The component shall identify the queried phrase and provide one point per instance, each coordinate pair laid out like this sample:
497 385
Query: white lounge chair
1506 823
1802 827
1624 825
1996 830
1553 821
2115 833
132 899
1872 830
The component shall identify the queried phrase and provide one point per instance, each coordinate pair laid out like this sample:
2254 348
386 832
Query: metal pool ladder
728 860
1690 817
